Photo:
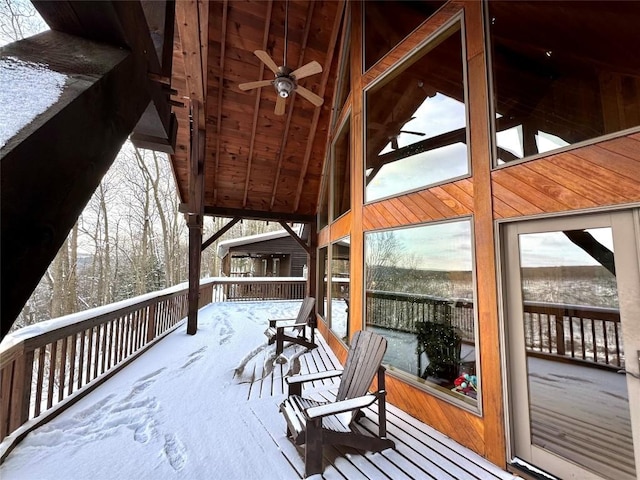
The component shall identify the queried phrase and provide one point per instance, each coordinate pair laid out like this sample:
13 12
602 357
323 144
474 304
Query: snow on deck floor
184 411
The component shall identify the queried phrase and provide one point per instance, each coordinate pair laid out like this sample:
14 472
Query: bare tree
18 20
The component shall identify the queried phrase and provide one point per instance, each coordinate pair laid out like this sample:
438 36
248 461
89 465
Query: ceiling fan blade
307 70
413 133
267 60
280 104
309 95
250 85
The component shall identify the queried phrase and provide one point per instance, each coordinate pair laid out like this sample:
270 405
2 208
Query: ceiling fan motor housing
284 85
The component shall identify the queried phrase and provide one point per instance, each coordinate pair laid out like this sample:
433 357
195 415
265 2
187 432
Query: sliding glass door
572 290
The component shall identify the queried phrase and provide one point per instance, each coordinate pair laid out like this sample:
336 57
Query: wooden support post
194 223
195 215
21 390
55 163
312 267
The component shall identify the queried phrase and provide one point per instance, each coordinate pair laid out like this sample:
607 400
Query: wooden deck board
421 452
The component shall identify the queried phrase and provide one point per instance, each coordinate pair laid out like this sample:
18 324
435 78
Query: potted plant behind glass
441 342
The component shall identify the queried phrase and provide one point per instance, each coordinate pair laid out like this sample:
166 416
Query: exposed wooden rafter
326 70
254 123
189 28
285 133
223 46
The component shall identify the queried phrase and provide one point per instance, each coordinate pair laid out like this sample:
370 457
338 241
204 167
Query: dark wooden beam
595 249
125 25
253 214
195 216
220 232
295 236
54 164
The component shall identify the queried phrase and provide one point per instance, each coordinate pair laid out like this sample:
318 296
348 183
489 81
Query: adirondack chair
315 423
278 328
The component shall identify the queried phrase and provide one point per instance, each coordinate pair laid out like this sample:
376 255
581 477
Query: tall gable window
416 121
557 80
387 23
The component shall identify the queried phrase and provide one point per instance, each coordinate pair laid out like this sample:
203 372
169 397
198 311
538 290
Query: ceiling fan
286 79
396 128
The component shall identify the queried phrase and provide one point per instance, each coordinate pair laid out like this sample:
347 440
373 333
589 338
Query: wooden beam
188 21
326 70
256 107
295 236
49 171
223 47
285 133
122 24
220 232
253 214
195 215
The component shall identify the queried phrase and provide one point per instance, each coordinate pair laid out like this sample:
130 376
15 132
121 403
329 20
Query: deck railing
402 311
52 363
580 333
577 332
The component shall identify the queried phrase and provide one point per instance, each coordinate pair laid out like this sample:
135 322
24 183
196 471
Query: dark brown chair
278 328
315 423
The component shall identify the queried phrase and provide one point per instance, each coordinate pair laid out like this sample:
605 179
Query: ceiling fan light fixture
284 86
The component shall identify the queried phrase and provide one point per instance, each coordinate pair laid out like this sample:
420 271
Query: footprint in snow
194 357
175 452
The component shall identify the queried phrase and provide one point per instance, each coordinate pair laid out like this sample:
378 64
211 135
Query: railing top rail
236 280
570 310
416 297
39 334
35 335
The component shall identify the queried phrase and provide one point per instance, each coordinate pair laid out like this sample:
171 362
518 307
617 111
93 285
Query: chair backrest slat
363 360
305 310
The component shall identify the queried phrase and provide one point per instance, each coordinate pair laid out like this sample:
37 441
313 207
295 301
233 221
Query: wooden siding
606 173
436 203
285 245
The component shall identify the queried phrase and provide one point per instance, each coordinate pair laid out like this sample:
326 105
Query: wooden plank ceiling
257 164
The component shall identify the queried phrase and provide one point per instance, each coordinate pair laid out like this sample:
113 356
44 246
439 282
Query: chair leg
279 342
313 448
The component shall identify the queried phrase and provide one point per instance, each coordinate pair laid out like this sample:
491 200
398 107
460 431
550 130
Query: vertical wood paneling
487 308
356 288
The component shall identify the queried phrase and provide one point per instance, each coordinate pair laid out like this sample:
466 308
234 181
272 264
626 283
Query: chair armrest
312 377
339 407
274 321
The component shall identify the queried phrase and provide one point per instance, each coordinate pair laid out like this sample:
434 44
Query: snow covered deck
206 406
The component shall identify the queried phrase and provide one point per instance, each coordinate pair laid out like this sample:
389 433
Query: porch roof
141 423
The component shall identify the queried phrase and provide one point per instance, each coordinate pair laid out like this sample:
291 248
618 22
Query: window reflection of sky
444 246
550 249
436 115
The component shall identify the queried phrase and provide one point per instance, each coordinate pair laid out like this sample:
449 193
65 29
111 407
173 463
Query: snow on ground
176 412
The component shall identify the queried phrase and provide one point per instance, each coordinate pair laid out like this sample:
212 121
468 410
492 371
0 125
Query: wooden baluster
42 352
53 352
606 343
560 335
81 355
72 363
92 354
593 339
62 370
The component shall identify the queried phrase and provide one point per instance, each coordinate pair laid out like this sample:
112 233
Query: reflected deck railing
58 361
573 332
